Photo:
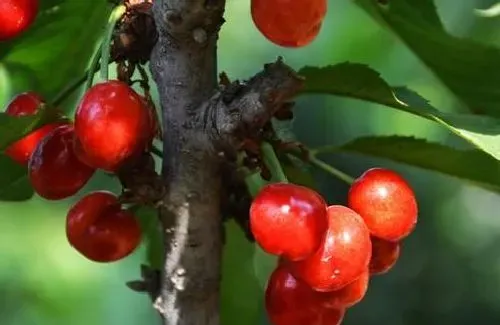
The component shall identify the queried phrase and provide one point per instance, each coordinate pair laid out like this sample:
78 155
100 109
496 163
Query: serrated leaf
14 184
13 128
471 165
358 81
63 37
151 235
467 68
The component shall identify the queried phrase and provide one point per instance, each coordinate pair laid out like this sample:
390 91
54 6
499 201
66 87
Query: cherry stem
94 66
313 160
66 92
272 162
114 17
157 151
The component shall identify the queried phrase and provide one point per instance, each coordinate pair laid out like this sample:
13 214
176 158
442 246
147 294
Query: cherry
112 124
289 23
54 170
27 103
289 301
343 256
349 295
16 16
385 254
288 220
98 228
386 202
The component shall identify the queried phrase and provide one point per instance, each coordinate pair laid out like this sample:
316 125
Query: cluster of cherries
112 126
328 253
295 23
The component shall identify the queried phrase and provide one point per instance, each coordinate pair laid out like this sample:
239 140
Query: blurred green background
449 271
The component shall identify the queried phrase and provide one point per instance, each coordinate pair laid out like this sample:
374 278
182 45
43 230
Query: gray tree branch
200 122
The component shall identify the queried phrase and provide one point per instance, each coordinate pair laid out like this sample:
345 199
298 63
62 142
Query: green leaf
14 184
471 165
358 81
151 235
468 68
245 270
63 38
13 128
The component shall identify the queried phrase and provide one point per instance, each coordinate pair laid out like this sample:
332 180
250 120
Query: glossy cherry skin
16 16
349 295
343 256
98 228
24 104
54 170
289 301
288 220
386 202
289 23
385 254
112 124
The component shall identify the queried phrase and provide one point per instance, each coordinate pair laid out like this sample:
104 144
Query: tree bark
202 123
183 65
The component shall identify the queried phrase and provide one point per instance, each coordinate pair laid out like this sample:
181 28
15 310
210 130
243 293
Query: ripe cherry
54 170
343 256
16 16
385 254
386 202
288 220
289 23
98 228
27 103
112 124
349 295
289 301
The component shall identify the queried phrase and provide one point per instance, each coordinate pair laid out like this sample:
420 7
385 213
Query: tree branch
201 123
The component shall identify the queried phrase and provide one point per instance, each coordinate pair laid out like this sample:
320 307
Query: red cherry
112 124
289 301
100 230
288 220
54 170
289 23
26 104
343 255
386 202
385 254
16 16
349 295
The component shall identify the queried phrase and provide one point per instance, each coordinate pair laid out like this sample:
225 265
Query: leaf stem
272 162
114 17
313 160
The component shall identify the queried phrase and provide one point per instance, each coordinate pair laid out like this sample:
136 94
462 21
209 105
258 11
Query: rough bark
202 122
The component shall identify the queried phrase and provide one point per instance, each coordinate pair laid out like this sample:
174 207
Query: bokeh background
449 271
